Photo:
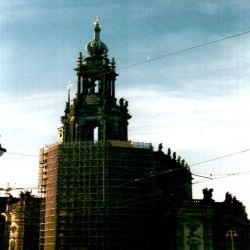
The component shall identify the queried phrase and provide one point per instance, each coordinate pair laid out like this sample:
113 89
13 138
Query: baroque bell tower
101 191
95 113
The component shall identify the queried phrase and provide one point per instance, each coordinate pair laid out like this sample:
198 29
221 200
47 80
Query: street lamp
231 234
2 150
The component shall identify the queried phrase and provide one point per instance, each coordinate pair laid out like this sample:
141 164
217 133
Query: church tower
95 114
101 191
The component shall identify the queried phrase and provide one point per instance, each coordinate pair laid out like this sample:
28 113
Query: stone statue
160 147
207 194
169 152
174 155
228 198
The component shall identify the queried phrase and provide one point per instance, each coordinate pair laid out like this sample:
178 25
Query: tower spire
67 109
97 29
69 85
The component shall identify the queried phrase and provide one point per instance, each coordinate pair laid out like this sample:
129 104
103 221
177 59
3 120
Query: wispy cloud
189 122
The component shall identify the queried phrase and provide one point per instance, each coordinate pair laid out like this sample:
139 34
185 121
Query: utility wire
223 177
148 60
202 176
125 185
185 50
132 199
124 203
192 165
20 154
166 171
135 198
33 93
220 157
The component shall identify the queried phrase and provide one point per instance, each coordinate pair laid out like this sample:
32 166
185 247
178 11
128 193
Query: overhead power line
20 154
185 50
202 176
148 60
180 168
220 157
223 177
167 171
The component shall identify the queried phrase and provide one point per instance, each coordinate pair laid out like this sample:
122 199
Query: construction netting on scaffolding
48 189
95 193
81 173
129 186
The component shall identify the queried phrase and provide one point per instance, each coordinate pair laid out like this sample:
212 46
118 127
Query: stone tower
95 114
100 190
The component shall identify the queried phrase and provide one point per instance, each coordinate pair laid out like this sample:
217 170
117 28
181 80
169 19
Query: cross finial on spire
97 21
69 85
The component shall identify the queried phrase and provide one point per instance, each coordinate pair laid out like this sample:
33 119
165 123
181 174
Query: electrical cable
220 157
146 61
165 172
132 199
154 59
223 177
20 154
185 50
192 165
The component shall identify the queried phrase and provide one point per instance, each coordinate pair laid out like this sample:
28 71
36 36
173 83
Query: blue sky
194 102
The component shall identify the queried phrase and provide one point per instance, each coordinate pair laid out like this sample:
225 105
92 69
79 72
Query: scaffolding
90 194
47 186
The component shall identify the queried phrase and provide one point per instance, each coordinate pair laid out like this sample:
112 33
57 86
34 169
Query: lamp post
232 234
2 150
